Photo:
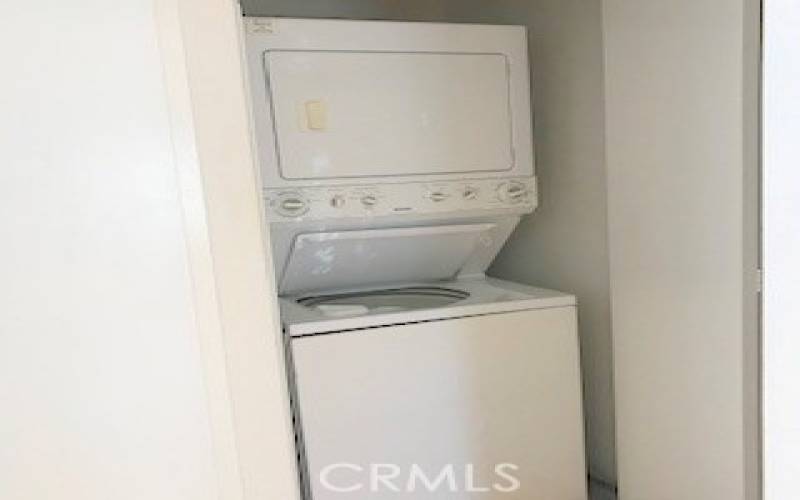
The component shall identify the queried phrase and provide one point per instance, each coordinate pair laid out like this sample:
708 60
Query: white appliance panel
484 296
486 390
512 196
498 229
339 102
340 259
388 114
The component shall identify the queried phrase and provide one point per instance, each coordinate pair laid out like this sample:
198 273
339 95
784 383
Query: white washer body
398 157
493 379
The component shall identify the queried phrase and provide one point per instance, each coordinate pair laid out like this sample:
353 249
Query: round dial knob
512 192
369 200
291 204
337 201
438 196
470 193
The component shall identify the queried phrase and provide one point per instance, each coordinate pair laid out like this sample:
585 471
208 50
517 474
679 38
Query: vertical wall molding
235 300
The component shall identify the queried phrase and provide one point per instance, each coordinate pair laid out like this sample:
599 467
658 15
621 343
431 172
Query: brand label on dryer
262 26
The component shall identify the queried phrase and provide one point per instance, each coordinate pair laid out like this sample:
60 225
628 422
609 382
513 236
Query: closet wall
563 245
682 139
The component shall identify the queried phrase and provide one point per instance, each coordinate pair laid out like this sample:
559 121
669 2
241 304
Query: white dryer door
429 397
339 114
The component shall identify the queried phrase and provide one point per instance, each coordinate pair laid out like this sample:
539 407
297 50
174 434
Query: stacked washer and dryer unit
397 159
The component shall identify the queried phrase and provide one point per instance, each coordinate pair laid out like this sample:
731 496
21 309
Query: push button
470 193
369 200
337 201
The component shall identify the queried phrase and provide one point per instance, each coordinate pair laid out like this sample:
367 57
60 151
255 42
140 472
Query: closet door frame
229 251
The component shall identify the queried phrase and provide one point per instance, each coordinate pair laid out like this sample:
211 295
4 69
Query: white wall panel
781 250
100 372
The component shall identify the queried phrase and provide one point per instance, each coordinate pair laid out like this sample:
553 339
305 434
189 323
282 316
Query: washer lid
482 295
343 259
383 301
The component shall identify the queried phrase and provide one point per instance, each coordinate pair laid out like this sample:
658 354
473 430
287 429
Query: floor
599 492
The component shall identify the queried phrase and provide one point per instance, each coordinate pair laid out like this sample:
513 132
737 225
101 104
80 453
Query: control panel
326 202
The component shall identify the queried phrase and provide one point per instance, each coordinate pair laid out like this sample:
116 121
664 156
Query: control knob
512 192
438 196
291 204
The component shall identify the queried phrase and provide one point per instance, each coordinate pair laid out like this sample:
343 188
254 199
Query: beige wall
103 355
681 108
563 245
